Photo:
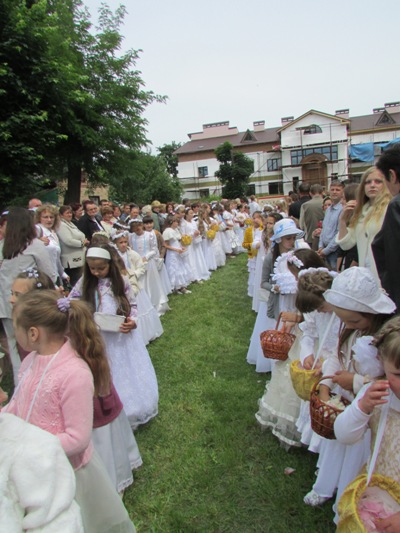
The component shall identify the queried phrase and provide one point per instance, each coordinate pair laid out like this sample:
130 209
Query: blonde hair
40 309
378 207
52 209
387 340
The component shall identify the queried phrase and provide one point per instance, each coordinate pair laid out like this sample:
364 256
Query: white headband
313 270
120 234
98 253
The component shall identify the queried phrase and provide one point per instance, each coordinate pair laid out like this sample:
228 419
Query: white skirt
102 509
255 355
148 321
116 445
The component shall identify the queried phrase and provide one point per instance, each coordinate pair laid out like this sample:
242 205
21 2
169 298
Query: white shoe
314 499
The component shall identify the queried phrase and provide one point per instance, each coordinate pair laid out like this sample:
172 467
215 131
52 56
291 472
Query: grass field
207 465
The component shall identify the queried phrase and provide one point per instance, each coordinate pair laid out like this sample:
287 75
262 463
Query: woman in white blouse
73 243
361 219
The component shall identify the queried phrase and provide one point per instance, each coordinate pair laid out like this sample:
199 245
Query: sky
247 60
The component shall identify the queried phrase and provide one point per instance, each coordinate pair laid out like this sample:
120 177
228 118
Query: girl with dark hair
110 294
21 251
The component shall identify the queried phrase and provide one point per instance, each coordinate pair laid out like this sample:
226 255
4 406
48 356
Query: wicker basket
323 416
276 344
349 520
303 380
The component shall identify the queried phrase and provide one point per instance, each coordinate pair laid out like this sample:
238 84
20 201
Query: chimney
259 125
342 113
378 110
286 120
392 107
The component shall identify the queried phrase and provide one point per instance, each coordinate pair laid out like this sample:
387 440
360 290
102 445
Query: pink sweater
64 403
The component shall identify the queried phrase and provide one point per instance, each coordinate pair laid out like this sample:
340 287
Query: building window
330 152
273 164
276 187
251 189
203 172
312 129
204 192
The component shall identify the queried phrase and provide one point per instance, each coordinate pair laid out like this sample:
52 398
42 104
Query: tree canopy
145 179
71 101
234 171
167 153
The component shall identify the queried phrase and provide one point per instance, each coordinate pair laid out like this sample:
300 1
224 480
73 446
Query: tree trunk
73 193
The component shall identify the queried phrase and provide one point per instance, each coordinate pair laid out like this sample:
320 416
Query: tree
145 179
106 110
167 153
234 171
29 128
71 102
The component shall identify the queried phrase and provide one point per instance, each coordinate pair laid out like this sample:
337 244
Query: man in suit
88 223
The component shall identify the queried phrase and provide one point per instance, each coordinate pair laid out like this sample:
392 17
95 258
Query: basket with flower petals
210 234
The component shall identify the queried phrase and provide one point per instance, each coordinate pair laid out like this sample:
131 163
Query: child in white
149 323
37 482
377 406
361 306
145 244
176 260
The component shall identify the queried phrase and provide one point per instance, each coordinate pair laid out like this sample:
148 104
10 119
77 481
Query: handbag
108 322
276 344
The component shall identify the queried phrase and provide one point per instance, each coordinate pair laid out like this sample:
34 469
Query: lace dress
279 407
177 264
258 268
132 370
208 250
313 327
148 321
146 246
196 256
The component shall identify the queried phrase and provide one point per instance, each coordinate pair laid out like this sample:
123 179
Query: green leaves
70 100
234 171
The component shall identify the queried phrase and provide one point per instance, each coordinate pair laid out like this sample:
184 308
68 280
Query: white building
312 148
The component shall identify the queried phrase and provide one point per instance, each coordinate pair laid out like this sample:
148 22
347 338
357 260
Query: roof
374 121
314 112
268 135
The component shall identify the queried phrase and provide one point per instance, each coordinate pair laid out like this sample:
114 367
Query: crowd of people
81 295
326 271
82 290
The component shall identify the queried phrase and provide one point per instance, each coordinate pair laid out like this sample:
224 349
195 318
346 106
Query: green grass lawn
207 465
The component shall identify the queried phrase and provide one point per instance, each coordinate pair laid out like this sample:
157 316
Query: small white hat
356 289
285 227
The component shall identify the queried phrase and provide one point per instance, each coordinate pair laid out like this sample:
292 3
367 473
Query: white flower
366 357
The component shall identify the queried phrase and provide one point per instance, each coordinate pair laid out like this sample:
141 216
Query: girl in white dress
377 406
148 321
320 324
145 244
148 226
108 292
255 352
359 303
204 223
176 259
196 256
